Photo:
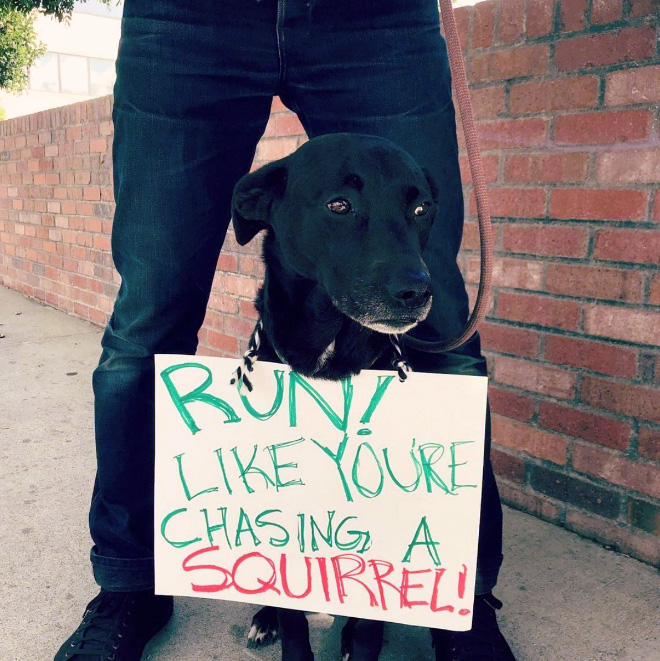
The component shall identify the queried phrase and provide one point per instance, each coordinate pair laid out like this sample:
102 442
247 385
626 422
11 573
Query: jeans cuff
487 572
122 574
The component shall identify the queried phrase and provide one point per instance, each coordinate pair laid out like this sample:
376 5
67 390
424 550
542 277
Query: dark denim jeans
193 93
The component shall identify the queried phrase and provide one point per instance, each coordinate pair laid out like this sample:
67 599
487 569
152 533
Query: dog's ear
253 198
435 193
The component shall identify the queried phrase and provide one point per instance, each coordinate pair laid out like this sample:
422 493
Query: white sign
357 498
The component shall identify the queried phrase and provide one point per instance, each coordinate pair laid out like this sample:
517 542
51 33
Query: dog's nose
413 290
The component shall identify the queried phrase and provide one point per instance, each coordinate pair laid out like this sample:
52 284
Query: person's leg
194 87
190 104
381 68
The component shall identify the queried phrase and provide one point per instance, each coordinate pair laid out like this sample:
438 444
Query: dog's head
353 213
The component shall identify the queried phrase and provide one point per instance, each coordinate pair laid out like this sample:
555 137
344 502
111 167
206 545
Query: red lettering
341 576
324 577
461 582
285 580
434 597
212 587
380 579
264 586
406 585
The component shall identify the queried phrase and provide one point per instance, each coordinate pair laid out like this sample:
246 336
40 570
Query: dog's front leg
361 640
294 634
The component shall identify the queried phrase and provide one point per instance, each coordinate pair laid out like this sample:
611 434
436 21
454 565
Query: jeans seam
279 32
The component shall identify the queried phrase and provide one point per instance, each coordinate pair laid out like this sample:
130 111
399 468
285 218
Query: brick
640 545
483 24
490 164
277 105
545 240
589 426
529 440
511 21
98 145
594 282
227 262
626 398
654 290
288 124
656 207
595 356
540 16
240 285
648 442
532 376
539 310
508 466
272 149
238 327
603 127
507 339
513 202
614 468
463 15
512 133
639 326
470 236
644 515
569 489
510 404
514 273
487 101
510 63
644 8
573 14
606 11
637 166
223 303
598 204
542 168
520 498
630 44
641 246
223 342
247 310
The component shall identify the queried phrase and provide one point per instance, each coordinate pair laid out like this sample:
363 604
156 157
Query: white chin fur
389 330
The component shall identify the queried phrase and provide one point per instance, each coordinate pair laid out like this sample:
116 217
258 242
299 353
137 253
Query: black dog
347 217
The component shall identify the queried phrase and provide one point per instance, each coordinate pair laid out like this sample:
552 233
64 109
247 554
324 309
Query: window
73 69
44 74
75 74
101 76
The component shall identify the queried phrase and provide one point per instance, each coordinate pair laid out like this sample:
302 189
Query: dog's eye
340 205
421 209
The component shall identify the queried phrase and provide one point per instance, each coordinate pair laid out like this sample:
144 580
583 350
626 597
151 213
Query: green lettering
427 542
196 395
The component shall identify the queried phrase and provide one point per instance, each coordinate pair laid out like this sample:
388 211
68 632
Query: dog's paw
264 629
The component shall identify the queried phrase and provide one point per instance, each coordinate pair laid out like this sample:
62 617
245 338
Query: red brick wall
567 98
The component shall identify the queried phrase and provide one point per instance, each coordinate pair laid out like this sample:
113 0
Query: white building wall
92 35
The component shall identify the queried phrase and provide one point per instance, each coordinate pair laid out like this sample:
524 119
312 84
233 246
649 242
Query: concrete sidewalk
566 599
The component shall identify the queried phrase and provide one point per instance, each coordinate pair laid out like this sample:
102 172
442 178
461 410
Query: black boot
116 626
484 642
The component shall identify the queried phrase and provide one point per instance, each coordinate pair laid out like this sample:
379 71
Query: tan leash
459 77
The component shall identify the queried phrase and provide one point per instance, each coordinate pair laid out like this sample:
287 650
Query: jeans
193 93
